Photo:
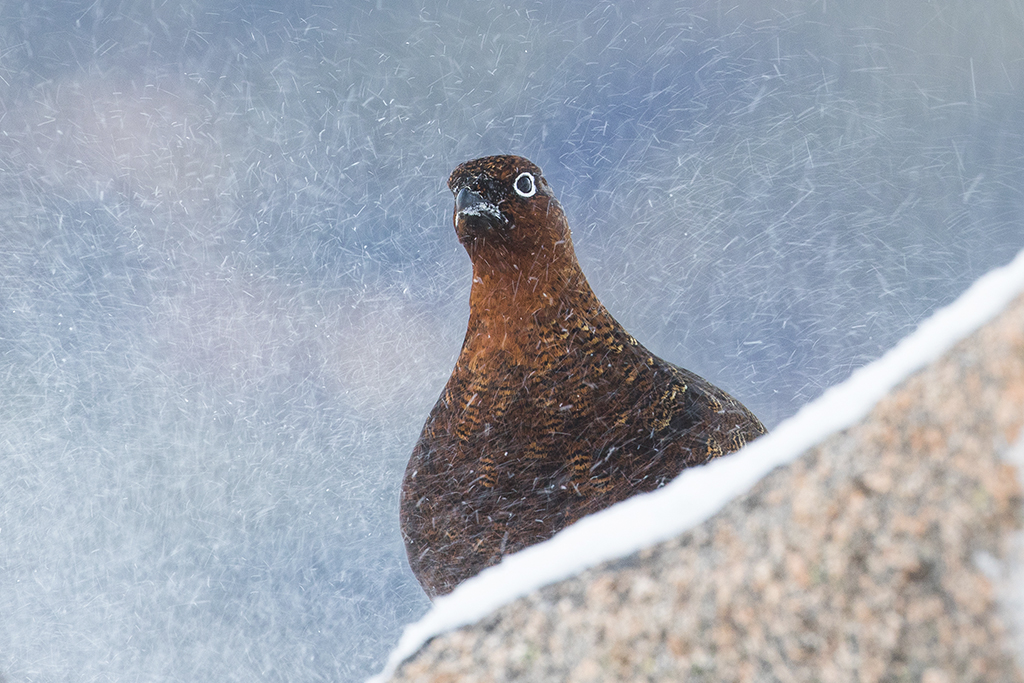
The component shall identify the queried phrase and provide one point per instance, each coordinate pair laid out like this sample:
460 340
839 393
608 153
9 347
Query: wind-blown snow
230 291
699 493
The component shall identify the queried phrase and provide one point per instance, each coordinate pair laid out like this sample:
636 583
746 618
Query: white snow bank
699 493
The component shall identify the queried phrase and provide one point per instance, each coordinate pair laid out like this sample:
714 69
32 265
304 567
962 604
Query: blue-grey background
230 291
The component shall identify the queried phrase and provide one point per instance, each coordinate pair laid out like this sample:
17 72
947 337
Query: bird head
504 207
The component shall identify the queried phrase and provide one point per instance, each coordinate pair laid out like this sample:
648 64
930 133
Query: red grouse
553 410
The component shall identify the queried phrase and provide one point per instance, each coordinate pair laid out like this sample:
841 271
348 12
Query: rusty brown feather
553 410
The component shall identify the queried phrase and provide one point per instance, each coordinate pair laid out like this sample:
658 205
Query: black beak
467 199
472 208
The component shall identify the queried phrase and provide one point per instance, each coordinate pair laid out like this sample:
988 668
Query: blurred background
230 291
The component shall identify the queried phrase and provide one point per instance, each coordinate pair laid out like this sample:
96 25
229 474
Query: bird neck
510 304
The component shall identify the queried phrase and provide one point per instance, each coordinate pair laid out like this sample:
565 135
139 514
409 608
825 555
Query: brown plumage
553 410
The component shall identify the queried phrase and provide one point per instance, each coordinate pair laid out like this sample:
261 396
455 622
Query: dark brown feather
553 410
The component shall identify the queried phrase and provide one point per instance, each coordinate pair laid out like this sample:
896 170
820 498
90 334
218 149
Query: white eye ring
531 185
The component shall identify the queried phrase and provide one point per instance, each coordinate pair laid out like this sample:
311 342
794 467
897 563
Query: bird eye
525 187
